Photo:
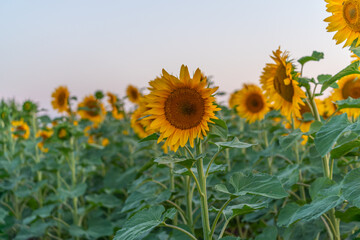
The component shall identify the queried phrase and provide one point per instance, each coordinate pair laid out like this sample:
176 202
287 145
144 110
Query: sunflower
180 108
232 99
44 134
105 142
330 107
251 103
112 98
60 100
349 86
133 94
140 124
355 57
302 123
345 20
20 129
63 132
92 109
281 88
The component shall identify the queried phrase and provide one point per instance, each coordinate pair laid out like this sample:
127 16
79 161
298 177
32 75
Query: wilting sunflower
345 20
281 88
60 100
133 94
92 109
44 134
251 103
180 108
232 104
20 129
349 86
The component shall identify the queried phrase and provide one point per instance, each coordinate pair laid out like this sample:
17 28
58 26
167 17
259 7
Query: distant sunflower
349 86
251 103
133 94
355 57
139 124
92 109
115 112
112 98
180 108
232 98
281 88
44 134
60 100
345 20
20 129
301 122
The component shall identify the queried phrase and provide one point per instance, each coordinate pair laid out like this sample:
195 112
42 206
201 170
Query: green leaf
106 200
242 209
351 187
348 103
351 69
269 233
343 149
323 78
230 238
256 184
286 213
77 191
151 137
330 132
315 56
167 160
291 139
44 211
3 214
219 128
143 222
350 215
235 143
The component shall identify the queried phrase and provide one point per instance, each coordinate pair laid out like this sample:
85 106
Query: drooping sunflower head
251 103
29 106
44 133
345 20
112 98
92 109
180 108
349 86
281 88
20 129
133 94
60 100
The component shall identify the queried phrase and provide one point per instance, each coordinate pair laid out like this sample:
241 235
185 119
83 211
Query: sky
89 45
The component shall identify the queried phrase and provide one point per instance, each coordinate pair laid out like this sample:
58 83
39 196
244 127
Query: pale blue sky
89 45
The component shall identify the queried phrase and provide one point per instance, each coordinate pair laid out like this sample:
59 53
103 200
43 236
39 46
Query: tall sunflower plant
182 112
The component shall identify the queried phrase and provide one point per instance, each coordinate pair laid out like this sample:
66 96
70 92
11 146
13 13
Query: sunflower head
105 142
92 109
133 94
251 103
112 98
99 94
232 103
29 106
278 79
180 108
60 99
349 86
63 132
44 134
329 106
304 122
42 148
139 124
20 129
345 20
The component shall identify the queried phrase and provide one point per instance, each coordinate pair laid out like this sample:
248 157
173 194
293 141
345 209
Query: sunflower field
279 161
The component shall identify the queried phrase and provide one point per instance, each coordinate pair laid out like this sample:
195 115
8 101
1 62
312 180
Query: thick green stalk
73 180
203 195
188 198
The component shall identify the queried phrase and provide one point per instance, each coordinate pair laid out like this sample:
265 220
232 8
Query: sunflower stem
188 198
203 196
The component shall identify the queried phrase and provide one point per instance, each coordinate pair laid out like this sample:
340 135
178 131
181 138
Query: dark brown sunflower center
20 131
254 103
61 99
134 94
351 9
285 91
351 88
93 108
184 108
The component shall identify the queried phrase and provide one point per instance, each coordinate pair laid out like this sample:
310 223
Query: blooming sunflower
133 94
112 101
180 108
301 122
60 100
281 88
345 20
232 103
330 107
20 129
112 98
349 86
44 134
92 109
251 103
139 124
